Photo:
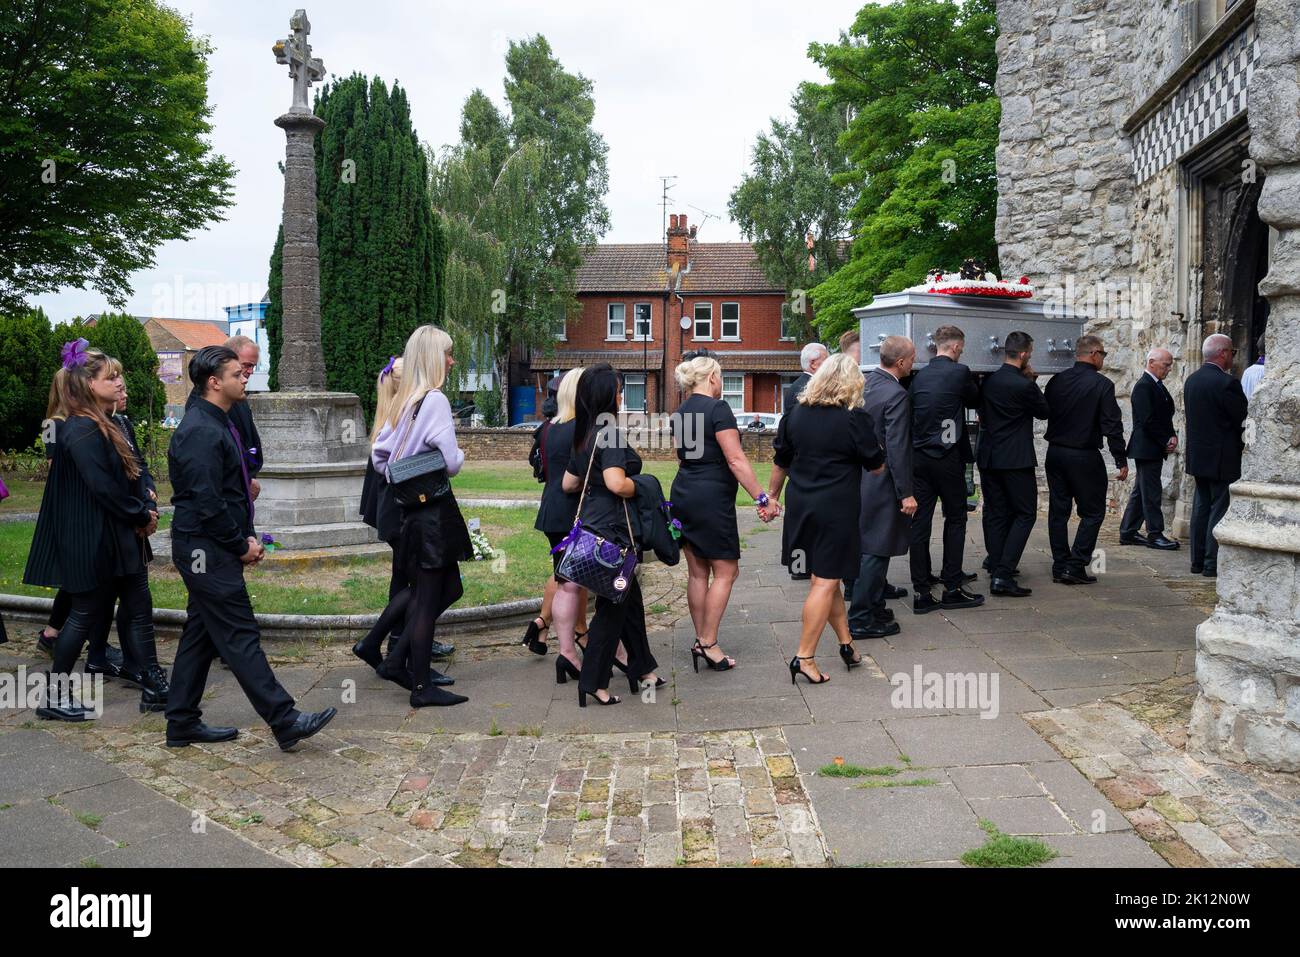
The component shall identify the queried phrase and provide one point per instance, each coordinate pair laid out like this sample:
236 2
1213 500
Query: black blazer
85 532
1009 403
208 487
1153 419
558 508
1216 409
941 392
793 390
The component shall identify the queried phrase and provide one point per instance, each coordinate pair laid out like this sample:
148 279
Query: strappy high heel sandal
531 640
846 655
698 652
636 686
565 669
577 640
796 670
582 699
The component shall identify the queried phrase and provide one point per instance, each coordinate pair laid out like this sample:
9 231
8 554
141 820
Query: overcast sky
681 89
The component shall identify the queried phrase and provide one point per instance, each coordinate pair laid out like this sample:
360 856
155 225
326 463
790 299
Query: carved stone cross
304 69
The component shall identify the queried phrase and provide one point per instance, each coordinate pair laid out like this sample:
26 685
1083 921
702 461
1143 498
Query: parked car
758 421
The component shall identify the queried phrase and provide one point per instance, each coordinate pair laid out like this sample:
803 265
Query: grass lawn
350 588
25 496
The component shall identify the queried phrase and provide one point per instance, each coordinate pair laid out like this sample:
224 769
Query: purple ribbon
568 539
243 467
74 353
388 369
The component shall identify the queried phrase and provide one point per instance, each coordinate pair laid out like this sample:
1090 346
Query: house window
731 320
641 317
617 327
634 393
558 327
787 323
733 392
704 320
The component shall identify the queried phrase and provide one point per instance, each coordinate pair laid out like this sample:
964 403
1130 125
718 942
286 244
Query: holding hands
768 507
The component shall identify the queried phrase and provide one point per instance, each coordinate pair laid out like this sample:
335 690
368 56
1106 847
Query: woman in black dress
712 466
604 510
822 445
555 517
91 536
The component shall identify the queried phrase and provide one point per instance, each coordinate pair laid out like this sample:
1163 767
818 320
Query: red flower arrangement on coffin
973 281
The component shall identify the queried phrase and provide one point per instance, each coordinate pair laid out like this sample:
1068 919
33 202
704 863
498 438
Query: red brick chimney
679 241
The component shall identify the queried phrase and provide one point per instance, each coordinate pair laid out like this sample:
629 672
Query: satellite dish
685 323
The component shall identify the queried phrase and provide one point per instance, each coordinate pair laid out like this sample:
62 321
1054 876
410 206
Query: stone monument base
315 446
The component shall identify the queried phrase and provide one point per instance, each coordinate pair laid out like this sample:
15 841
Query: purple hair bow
388 369
74 353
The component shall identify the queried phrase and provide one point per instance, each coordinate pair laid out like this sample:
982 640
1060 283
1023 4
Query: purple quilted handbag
594 562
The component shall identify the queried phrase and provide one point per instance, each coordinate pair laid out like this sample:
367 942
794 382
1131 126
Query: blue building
250 320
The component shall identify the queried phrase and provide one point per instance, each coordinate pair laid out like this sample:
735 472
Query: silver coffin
985 320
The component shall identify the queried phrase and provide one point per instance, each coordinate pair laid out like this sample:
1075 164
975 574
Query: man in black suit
941 393
1216 410
1152 440
1009 403
212 541
1081 411
810 359
888 503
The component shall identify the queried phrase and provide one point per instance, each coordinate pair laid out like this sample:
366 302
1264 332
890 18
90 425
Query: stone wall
512 445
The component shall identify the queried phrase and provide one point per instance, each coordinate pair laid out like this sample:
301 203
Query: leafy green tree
29 357
790 192
123 337
918 79
381 246
103 149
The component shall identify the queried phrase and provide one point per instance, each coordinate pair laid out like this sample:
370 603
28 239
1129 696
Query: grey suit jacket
885 529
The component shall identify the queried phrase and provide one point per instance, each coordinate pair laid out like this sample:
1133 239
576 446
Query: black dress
824 449
704 491
603 512
558 508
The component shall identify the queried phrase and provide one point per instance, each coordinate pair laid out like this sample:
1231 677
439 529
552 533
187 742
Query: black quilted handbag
420 480
594 562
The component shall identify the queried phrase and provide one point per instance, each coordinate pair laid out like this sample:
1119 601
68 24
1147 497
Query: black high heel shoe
531 640
796 670
635 686
370 656
698 652
577 636
582 699
565 669
620 666
846 655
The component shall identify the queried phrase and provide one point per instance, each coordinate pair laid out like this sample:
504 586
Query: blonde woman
712 466
432 539
555 518
822 446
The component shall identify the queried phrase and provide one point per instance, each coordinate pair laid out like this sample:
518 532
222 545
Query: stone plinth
315 446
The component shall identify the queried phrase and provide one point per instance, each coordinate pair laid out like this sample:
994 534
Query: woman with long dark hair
91 536
601 451
433 538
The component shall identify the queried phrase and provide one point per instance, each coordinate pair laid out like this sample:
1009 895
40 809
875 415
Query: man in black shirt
212 541
1152 440
1009 403
941 393
1081 410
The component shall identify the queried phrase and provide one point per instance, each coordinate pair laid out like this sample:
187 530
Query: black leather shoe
442 649
966 578
923 603
429 696
1073 576
800 576
153 697
402 678
1134 539
304 726
110 670
878 629
198 734
370 656
1008 588
1162 543
64 706
884 614
893 592
960 598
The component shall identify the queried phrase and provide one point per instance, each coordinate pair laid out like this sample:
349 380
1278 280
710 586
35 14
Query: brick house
632 298
176 341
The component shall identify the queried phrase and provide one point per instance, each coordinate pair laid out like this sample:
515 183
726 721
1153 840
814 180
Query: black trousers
943 480
220 622
416 610
867 595
90 615
1076 479
614 622
1208 506
97 649
1144 501
1010 510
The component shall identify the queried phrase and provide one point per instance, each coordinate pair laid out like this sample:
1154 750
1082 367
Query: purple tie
243 467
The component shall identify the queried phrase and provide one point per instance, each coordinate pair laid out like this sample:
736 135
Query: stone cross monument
302 363
314 442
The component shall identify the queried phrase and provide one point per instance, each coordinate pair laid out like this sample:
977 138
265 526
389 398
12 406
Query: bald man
1152 440
1216 411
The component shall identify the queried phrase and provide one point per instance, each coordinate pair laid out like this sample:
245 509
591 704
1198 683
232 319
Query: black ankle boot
156 689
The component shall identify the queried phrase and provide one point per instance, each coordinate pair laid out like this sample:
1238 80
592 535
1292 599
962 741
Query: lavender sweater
433 429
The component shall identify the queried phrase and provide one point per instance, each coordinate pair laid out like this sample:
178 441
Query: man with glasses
1216 411
241 416
1081 410
1152 440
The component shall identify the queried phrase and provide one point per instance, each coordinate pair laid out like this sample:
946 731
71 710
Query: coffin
985 320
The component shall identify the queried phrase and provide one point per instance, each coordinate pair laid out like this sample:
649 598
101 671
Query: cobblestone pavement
716 768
